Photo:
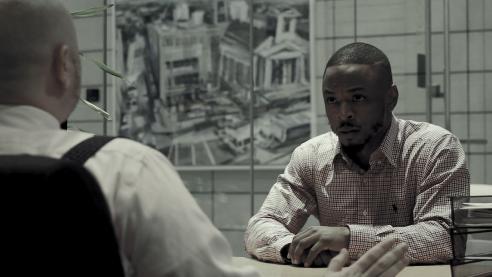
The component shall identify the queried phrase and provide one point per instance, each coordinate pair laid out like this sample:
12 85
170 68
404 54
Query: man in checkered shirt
374 176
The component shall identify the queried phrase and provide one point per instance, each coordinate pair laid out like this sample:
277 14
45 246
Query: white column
292 25
302 73
268 73
255 73
233 71
221 66
286 71
280 25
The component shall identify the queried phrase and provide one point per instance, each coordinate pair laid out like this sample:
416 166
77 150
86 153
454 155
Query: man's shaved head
37 43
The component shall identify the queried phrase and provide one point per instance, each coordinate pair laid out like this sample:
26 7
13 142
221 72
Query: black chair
55 220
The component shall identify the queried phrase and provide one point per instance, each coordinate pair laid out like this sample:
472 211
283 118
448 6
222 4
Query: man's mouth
347 130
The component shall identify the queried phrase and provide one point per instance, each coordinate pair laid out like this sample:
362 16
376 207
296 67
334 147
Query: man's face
357 103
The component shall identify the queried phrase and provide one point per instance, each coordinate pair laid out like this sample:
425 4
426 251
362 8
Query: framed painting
194 70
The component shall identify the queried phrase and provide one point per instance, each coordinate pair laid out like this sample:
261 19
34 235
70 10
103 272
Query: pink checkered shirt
404 194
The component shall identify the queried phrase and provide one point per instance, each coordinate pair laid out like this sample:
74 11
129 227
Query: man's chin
353 148
351 145
349 140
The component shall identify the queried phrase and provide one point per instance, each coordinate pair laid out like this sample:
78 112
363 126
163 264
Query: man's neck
362 155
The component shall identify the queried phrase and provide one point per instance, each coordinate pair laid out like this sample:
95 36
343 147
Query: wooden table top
280 270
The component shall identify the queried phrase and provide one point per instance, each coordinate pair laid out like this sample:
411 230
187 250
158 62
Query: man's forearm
265 239
428 242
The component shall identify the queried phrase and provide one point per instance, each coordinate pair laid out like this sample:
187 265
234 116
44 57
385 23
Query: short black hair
361 53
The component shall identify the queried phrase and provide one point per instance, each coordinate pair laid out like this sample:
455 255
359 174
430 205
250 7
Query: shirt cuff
279 244
362 238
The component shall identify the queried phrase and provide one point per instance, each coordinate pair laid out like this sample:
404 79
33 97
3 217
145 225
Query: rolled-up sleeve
288 205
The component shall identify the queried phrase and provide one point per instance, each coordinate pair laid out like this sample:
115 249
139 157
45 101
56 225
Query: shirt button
364 212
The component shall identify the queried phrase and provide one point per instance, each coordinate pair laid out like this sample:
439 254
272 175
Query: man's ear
62 66
392 97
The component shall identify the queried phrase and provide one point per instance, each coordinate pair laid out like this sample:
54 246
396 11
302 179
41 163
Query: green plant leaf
91 11
107 69
104 113
103 67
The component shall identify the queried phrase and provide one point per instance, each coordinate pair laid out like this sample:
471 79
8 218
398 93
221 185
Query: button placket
364 201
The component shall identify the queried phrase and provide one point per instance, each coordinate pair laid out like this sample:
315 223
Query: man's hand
317 239
380 261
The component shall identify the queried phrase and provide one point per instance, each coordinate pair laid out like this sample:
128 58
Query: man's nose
346 111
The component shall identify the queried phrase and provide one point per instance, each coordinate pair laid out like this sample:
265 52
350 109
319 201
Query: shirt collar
27 117
330 147
389 146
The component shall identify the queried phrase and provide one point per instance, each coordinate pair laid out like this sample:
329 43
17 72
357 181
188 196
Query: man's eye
358 98
331 100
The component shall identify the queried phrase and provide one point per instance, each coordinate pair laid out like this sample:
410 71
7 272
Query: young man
373 176
160 229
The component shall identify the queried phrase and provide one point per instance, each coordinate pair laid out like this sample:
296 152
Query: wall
90 32
397 27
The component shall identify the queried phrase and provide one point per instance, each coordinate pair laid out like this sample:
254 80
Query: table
279 270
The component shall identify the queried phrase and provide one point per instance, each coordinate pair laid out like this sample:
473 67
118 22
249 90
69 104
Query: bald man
160 229
35 43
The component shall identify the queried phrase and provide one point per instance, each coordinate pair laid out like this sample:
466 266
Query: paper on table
473 206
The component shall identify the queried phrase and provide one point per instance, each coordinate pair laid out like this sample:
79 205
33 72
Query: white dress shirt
160 228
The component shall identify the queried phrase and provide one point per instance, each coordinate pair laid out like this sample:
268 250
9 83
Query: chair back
56 221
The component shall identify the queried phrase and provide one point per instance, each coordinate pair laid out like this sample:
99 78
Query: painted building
182 50
181 57
282 59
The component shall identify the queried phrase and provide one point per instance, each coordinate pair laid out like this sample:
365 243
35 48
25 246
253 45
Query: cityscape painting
189 67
